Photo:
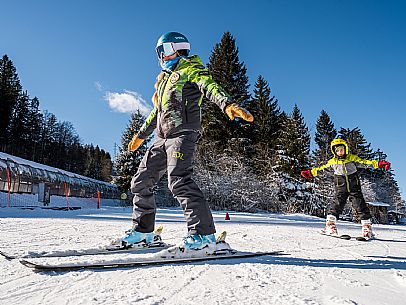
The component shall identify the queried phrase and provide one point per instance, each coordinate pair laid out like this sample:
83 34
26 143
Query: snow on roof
378 204
396 212
22 161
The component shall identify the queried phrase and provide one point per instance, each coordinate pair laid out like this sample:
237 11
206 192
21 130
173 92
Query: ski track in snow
319 269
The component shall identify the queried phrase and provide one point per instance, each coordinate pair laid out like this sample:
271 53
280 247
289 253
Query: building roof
20 161
378 204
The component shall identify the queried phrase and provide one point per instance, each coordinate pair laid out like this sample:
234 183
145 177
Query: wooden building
379 211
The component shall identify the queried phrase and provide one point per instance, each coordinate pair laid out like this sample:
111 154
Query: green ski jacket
178 99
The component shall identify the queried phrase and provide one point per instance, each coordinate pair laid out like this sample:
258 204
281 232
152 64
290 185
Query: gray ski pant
174 155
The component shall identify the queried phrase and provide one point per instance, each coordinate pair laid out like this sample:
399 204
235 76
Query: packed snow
318 269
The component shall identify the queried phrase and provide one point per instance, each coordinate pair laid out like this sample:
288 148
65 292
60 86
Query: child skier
176 115
347 185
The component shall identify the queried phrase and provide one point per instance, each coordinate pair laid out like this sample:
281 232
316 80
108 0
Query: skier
180 88
347 185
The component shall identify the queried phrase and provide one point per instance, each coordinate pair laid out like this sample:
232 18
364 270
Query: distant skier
347 185
180 89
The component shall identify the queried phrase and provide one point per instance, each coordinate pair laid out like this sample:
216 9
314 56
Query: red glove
306 174
384 164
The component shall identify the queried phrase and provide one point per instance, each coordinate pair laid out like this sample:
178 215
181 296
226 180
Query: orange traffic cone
227 217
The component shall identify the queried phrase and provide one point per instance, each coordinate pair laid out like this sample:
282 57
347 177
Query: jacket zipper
160 95
185 106
346 178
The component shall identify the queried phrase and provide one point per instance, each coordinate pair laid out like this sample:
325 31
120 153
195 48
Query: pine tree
10 91
266 112
49 134
227 70
356 142
40 137
34 124
265 129
127 162
98 163
384 184
106 166
90 162
66 138
19 128
77 156
325 133
294 143
274 122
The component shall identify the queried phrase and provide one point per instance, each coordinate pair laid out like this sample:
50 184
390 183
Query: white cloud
127 102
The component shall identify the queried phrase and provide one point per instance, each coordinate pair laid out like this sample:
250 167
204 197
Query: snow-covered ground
319 269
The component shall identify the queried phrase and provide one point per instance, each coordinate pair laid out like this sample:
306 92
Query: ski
344 236
361 238
348 237
144 262
91 251
158 244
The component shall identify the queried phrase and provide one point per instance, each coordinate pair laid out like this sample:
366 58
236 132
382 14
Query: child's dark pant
349 188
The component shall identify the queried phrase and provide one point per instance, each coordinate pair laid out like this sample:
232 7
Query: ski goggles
170 48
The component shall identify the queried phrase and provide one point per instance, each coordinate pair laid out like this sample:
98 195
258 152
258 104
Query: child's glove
234 111
135 143
384 164
307 174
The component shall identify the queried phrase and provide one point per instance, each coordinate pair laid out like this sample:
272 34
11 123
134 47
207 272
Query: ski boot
134 238
197 241
367 229
330 228
197 245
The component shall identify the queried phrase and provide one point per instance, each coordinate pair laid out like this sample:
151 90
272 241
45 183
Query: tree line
39 136
247 167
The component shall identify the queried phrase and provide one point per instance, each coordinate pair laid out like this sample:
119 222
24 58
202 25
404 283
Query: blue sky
88 60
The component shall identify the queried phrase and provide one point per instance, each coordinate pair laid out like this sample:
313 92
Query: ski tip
345 236
27 263
361 238
7 256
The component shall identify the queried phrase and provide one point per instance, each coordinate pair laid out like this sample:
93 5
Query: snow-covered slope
319 269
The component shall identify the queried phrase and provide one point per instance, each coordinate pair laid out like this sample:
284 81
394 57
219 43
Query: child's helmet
338 142
172 42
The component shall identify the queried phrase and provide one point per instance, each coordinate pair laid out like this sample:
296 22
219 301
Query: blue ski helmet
170 43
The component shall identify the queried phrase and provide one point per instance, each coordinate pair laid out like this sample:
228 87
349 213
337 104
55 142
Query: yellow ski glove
234 111
135 143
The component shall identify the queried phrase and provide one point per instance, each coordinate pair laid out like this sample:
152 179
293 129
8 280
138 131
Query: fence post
66 194
98 199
